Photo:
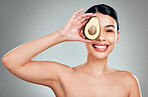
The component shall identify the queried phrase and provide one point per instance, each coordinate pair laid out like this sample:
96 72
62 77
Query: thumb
85 40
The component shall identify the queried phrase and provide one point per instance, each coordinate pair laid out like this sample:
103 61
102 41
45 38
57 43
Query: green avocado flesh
92 28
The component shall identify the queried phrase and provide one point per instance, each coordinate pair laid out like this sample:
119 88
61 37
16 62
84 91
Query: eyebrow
110 26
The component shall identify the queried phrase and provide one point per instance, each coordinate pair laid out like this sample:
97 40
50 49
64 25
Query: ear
117 36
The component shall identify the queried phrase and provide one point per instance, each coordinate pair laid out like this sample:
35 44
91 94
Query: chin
101 56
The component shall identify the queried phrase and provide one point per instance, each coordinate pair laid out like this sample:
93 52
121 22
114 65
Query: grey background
24 20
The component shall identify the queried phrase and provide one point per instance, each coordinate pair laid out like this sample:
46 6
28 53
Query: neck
96 66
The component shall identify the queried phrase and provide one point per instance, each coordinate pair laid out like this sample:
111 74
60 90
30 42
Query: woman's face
108 36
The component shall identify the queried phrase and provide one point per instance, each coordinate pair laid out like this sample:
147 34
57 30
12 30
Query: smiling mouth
100 47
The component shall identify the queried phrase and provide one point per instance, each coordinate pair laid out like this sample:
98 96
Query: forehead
106 19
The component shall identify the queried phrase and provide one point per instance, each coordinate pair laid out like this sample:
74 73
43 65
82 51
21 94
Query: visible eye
109 31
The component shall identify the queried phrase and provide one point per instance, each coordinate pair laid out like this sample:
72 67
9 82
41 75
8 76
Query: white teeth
100 46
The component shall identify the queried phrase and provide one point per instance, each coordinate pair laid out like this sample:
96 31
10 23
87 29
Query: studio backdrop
24 20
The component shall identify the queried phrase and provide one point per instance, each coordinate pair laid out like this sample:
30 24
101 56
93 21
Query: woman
93 78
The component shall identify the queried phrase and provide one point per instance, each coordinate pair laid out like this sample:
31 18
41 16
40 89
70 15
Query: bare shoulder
132 81
128 76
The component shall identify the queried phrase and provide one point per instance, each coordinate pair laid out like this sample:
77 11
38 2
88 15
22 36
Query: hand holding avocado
72 29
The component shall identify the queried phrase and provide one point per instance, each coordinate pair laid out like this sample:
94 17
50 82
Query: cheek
89 48
111 39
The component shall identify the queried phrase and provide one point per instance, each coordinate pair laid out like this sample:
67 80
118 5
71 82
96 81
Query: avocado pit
92 30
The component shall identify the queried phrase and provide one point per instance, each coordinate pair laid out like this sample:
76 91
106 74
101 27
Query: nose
101 36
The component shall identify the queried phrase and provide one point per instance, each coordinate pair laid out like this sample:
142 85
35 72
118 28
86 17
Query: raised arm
18 60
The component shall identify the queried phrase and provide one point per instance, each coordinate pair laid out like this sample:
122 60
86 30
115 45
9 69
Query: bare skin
79 83
94 78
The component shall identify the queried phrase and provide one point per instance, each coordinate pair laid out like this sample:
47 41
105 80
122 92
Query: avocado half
91 30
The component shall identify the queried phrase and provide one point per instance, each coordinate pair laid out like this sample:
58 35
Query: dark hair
104 9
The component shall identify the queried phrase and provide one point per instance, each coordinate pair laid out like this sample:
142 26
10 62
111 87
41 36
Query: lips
101 47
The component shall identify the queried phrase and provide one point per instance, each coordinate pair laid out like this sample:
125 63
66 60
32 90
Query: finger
84 16
82 25
89 15
93 14
84 40
76 13
82 35
80 22
84 19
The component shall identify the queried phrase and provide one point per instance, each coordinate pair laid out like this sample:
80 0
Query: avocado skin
84 29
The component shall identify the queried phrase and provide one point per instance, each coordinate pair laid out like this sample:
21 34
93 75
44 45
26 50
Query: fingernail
90 41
